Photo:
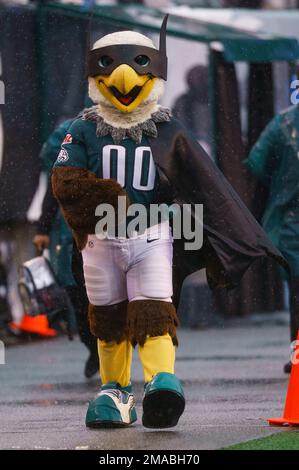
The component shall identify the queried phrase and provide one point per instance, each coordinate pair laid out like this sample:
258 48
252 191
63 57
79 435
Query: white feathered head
126 70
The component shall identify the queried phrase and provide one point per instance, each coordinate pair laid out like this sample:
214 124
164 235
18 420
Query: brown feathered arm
79 192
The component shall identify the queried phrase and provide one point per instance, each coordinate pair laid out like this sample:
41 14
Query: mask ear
162 43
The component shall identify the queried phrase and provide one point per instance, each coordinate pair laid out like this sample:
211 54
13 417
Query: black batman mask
144 60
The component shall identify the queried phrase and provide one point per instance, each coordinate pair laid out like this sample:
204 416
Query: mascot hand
79 192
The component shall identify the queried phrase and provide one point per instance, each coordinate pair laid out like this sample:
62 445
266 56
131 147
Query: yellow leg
115 362
157 355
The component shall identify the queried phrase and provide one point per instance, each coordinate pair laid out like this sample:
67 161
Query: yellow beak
124 88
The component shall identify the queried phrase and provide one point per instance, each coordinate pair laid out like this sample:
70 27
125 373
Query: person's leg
105 282
152 323
80 301
152 316
293 284
289 247
106 289
294 307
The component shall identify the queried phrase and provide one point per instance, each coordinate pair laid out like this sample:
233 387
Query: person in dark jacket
192 107
53 233
274 161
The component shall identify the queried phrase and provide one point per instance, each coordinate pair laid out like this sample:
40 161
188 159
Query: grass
286 440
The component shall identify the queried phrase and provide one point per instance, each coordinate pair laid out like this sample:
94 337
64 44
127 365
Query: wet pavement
232 377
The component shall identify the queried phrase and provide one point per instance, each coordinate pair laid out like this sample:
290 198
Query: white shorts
137 268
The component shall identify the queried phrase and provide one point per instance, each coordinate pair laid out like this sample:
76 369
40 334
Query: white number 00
138 169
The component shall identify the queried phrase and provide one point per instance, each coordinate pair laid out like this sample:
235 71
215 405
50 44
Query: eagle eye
105 61
142 60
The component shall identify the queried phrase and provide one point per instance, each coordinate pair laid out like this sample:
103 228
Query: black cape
232 237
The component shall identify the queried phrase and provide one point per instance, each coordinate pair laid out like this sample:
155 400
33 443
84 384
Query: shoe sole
162 409
108 424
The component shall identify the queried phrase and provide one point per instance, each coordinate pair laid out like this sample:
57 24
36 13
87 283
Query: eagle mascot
129 147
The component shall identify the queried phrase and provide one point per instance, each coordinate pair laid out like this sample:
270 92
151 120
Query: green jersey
131 164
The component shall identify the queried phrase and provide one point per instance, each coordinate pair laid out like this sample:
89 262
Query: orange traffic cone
291 411
38 325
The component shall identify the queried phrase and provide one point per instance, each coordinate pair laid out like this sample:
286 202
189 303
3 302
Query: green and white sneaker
114 406
163 401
